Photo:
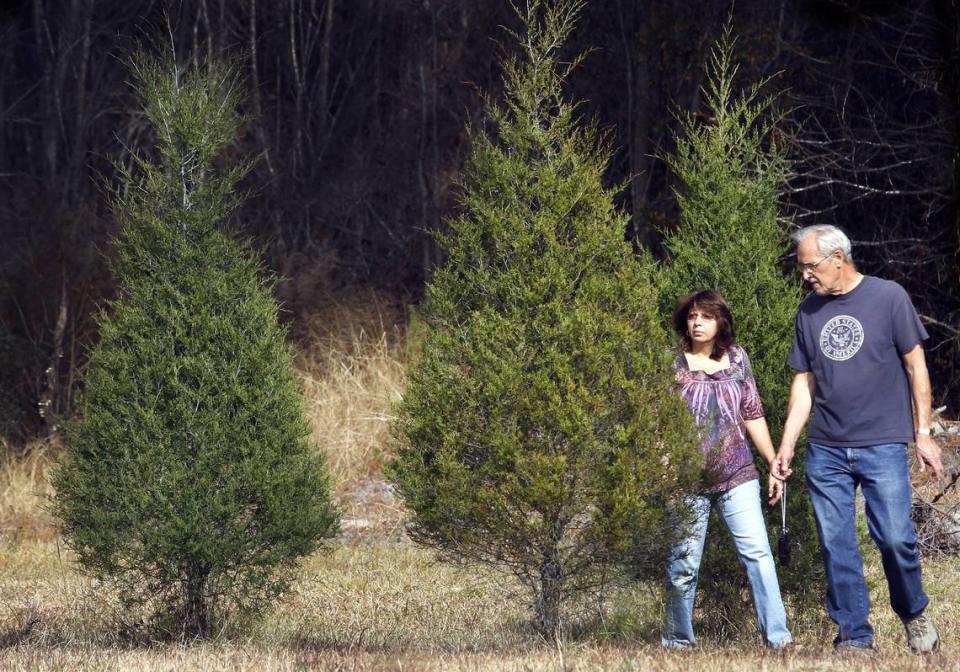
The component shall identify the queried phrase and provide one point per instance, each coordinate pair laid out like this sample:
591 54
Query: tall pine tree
540 432
731 172
189 482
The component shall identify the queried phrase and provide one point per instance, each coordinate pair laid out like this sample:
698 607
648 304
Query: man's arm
928 452
798 410
760 435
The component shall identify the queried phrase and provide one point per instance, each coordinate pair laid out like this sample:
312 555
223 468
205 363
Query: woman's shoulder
739 357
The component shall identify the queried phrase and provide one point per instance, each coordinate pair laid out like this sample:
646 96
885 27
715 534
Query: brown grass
352 369
23 490
376 602
373 607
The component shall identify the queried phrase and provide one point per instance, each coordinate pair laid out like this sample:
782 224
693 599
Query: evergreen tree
731 171
189 482
540 432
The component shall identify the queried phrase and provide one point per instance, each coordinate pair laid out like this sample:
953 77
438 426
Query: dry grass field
374 601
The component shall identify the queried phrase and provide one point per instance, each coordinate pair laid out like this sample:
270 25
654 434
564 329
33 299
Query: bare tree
875 154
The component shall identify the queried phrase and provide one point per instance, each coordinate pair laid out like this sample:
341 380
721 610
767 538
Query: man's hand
780 467
774 489
928 455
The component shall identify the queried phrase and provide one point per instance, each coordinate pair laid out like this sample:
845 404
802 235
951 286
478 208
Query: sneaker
852 647
677 645
922 635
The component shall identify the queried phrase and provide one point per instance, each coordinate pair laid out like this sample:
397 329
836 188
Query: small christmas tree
731 172
189 482
540 432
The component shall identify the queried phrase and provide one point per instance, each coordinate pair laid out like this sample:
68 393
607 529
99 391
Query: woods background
359 109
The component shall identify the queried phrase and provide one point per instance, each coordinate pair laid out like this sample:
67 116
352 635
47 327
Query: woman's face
701 326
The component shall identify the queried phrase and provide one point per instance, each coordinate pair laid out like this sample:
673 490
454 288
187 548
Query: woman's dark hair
710 302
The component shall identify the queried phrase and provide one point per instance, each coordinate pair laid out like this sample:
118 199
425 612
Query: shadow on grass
19 632
513 637
620 624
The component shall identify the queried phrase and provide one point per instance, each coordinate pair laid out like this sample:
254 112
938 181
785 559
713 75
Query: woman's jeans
740 510
881 471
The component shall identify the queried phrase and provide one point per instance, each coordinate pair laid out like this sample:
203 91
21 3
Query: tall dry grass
24 489
351 365
351 362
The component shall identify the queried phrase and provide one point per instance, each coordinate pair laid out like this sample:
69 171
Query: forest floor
376 601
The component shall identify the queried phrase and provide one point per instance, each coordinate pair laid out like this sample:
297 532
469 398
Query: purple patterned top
721 402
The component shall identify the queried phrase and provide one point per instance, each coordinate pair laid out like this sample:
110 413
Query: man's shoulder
882 294
873 289
883 286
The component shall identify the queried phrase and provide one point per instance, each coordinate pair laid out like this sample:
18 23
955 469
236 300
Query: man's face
822 273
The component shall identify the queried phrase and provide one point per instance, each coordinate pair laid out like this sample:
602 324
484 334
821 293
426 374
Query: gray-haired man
859 362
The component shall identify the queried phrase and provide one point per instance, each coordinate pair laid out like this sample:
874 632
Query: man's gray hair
829 238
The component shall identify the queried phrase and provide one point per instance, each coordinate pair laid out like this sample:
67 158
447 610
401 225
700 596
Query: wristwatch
924 430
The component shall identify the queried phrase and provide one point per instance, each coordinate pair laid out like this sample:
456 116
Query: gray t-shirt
853 344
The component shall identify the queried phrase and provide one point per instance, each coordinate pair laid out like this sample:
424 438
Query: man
859 363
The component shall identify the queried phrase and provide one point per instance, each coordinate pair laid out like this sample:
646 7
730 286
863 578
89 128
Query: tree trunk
49 400
196 619
426 152
255 87
642 128
81 66
950 12
326 49
548 597
48 124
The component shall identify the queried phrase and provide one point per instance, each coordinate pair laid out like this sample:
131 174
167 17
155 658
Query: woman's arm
760 435
751 407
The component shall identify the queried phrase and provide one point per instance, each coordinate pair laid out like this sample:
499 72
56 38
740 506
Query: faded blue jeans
740 510
881 471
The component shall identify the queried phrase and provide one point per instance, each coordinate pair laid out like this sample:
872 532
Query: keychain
783 541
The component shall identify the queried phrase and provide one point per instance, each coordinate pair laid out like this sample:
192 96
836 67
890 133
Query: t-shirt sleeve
906 327
751 407
799 360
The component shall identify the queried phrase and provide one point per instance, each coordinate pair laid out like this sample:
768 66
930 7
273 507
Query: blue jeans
881 471
740 510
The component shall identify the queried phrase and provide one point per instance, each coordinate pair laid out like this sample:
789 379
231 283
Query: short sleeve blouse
721 402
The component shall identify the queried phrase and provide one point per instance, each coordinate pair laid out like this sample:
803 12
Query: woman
717 383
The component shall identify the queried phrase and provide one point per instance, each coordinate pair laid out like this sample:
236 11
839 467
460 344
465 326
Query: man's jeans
882 473
740 510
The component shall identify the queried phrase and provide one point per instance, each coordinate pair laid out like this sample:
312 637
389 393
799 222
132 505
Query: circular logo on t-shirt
841 337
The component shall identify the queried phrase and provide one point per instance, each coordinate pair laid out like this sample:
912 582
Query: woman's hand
774 489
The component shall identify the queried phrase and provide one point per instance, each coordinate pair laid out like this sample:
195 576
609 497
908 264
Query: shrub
189 482
731 171
540 432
